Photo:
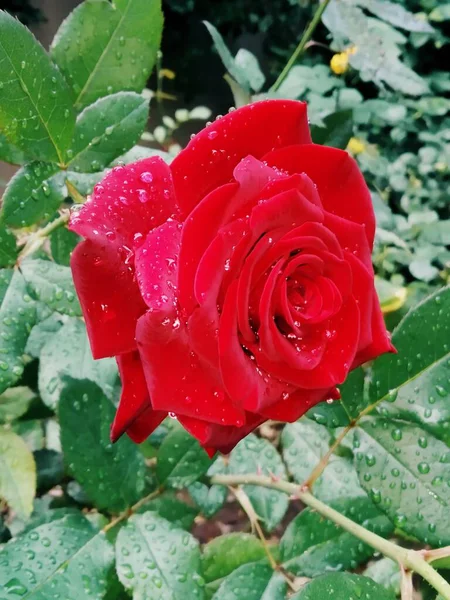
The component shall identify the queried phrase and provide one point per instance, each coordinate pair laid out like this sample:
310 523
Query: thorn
274 477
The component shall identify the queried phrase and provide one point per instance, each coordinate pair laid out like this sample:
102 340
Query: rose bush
234 285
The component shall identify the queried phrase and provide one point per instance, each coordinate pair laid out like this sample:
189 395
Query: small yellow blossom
356 146
440 166
396 302
339 63
167 73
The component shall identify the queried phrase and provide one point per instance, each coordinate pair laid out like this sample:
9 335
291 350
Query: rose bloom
235 285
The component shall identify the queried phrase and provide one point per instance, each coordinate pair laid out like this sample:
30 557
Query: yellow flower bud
356 146
339 63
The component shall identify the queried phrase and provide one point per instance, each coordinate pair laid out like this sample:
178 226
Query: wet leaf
66 558
17 473
107 129
36 113
104 47
156 560
312 545
256 455
112 475
181 459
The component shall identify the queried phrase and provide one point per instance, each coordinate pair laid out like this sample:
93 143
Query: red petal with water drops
109 297
209 159
156 267
381 340
339 181
128 203
217 209
135 414
292 406
219 437
244 380
178 381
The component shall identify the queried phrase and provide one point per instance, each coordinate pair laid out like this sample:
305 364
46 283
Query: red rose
235 285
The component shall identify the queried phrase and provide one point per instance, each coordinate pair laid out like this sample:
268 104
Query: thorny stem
407 589
36 239
320 467
247 506
409 560
132 510
302 44
249 509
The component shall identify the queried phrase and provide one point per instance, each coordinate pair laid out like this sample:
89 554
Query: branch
132 510
301 45
409 560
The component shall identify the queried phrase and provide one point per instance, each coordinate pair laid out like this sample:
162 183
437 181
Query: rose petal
176 378
337 359
352 237
109 297
218 437
292 406
245 383
209 159
381 341
214 212
134 413
156 266
130 201
339 181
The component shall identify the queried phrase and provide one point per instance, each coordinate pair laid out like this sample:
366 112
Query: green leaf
343 586
353 394
31 431
49 468
304 444
413 384
5 280
157 561
440 13
253 455
329 414
41 333
52 284
66 558
17 317
34 193
67 353
210 499
36 111
107 129
405 470
248 62
396 15
236 71
48 516
252 582
10 153
84 182
17 473
386 572
224 554
8 247
104 48
111 475
62 244
169 507
337 131
14 403
312 545
181 459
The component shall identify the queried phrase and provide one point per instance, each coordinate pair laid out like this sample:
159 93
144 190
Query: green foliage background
81 518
